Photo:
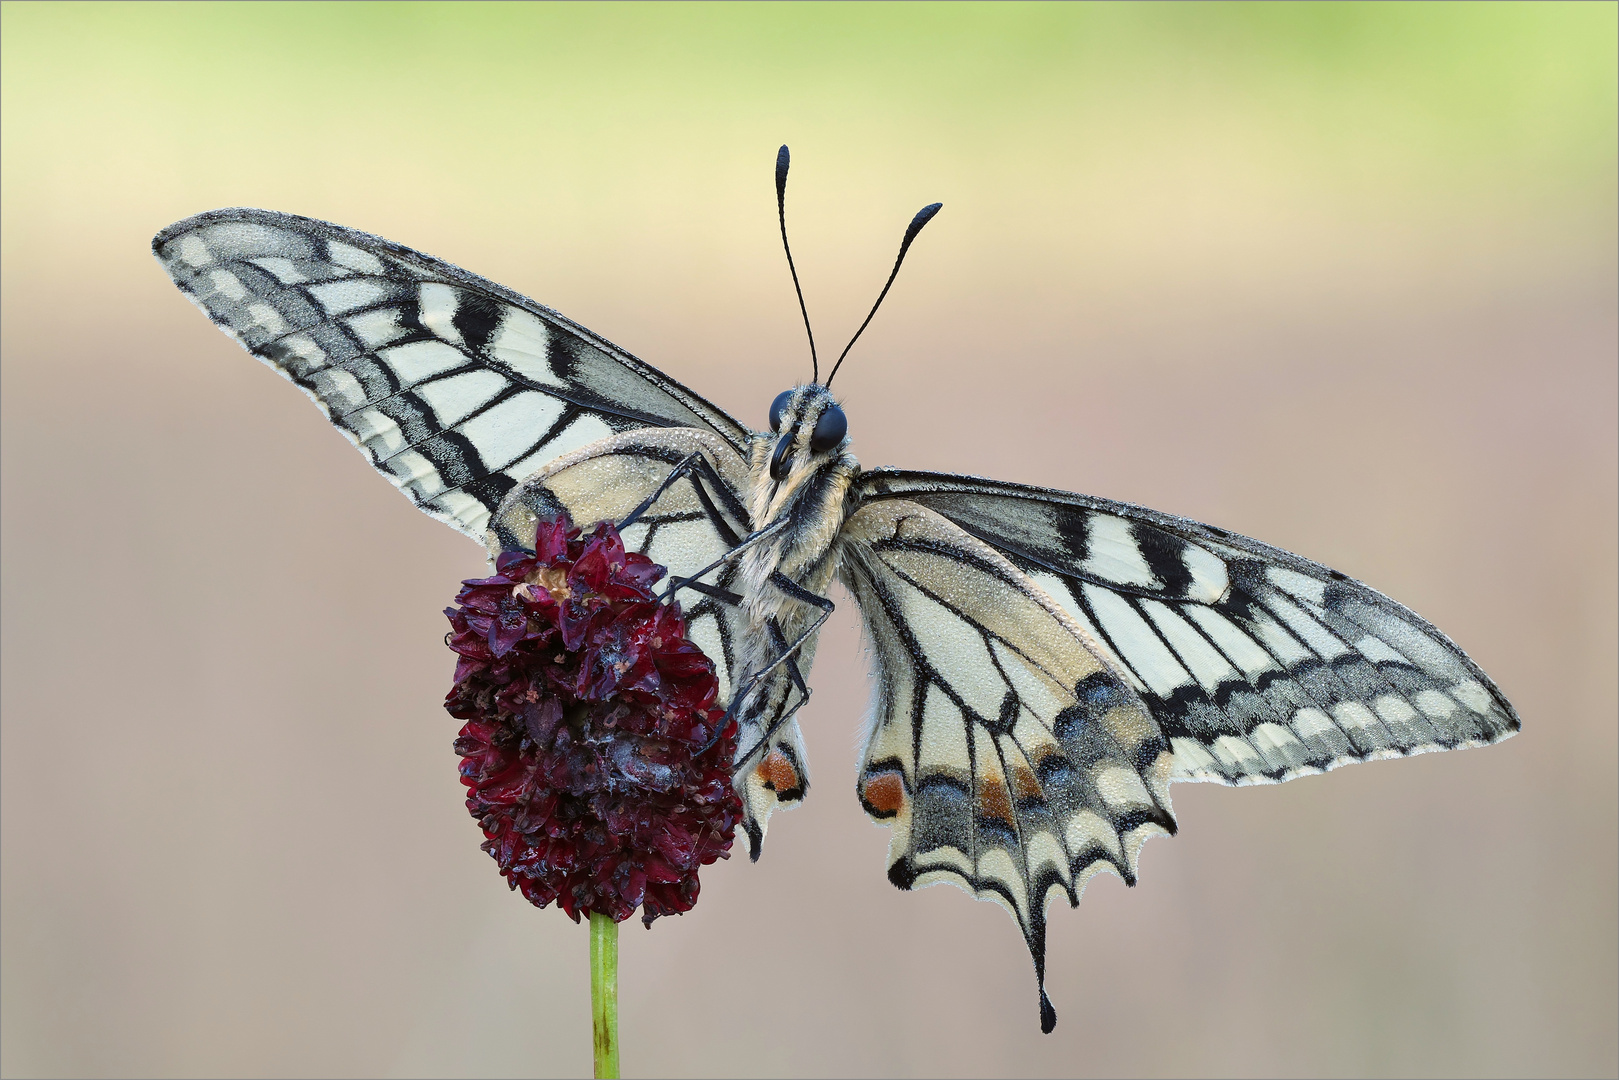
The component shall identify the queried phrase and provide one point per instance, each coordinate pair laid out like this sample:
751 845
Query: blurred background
1342 278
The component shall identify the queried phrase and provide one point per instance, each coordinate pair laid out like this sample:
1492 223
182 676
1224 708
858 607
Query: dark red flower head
589 751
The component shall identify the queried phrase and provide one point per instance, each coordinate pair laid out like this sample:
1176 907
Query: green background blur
1340 277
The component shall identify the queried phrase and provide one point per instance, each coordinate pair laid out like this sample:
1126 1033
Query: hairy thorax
805 550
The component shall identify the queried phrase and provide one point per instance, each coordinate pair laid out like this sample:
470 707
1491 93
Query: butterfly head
807 429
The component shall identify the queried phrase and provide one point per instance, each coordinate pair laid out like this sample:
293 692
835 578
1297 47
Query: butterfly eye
778 407
829 430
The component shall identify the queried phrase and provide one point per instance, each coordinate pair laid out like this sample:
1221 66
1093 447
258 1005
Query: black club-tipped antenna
923 216
782 160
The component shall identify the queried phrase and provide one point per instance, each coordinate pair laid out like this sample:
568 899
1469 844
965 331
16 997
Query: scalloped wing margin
1006 754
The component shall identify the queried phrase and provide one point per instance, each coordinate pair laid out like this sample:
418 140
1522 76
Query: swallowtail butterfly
1046 664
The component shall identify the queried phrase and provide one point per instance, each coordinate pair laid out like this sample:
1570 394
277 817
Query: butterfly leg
785 656
700 472
693 462
795 678
770 774
787 653
697 468
691 580
749 689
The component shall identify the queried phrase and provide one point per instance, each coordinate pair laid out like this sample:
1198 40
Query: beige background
1341 279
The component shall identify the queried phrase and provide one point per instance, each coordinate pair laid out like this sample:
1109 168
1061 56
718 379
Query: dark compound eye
829 430
778 407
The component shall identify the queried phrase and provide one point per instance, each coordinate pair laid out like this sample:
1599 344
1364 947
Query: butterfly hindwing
1006 753
691 524
1258 665
455 388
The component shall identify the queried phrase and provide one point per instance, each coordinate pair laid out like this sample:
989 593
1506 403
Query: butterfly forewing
1259 665
454 388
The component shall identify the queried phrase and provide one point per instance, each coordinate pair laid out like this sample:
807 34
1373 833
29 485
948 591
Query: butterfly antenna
923 216
782 159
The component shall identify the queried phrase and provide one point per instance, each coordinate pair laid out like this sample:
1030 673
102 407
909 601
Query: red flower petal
588 712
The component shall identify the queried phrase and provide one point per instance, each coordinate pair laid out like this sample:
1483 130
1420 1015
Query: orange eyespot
884 793
778 773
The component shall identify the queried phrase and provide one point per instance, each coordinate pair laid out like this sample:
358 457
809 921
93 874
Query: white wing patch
455 398
436 306
505 431
522 343
1114 555
1134 640
1210 668
338 297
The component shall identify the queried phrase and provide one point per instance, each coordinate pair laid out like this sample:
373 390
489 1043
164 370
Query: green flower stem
604 994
